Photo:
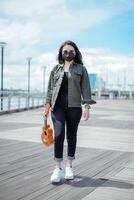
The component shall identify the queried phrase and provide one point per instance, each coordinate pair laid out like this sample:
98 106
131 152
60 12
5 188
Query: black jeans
71 118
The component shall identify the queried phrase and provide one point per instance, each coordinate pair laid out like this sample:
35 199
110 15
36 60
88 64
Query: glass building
96 82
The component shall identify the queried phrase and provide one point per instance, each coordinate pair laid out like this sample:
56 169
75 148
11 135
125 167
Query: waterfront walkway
104 165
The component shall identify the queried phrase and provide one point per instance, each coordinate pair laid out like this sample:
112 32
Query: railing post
9 102
27 101
38 101
18 102
43 101
32 101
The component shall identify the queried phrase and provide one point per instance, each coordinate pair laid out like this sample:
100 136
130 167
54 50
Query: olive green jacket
79 90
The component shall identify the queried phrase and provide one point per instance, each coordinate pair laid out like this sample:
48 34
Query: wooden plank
28 175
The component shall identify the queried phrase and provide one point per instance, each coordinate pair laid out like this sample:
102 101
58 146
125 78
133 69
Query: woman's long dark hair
78 56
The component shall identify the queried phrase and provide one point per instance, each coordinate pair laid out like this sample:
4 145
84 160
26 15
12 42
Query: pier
104 164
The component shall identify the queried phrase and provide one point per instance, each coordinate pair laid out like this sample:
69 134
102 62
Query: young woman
68 88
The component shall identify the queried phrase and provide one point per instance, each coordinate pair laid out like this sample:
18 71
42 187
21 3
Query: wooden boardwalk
25 169
104 165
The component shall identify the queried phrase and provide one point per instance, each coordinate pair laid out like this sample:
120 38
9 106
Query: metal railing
14 101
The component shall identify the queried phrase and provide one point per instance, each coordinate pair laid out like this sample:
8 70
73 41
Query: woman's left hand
86 114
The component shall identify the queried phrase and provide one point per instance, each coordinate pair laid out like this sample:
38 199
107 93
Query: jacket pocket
77 76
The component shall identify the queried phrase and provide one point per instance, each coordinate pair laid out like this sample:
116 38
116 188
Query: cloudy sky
102 29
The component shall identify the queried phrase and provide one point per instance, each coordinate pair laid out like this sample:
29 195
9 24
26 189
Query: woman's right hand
46 109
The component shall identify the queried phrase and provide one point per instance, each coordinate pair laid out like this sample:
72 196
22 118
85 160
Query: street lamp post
2 45
29 65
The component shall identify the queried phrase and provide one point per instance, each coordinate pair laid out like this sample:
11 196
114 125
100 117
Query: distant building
96 82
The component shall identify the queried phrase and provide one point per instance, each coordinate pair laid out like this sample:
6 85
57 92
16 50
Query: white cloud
31 22
30 8
27 24
111 67
107 59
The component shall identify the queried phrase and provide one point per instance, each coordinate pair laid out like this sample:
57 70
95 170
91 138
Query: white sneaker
57 175
69 173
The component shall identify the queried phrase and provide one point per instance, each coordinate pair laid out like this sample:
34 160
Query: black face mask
68 56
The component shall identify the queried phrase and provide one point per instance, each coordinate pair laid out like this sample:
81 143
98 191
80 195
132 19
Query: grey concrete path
104 168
